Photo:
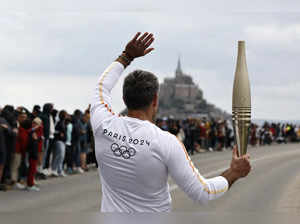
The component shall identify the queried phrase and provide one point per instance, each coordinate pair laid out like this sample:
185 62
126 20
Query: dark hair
139 89
26 124
36 108
62 115
54 113
77 113
47 108
10 115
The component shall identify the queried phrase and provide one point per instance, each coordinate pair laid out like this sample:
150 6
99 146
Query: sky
54 51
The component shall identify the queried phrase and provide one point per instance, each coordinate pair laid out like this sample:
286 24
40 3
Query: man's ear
155 100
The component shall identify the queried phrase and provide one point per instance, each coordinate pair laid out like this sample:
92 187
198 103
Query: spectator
2 157
221 135
212 135
36 112
69 148
60 147
91 157
180 135
34 137
298 133
8 121
188 135
76 133
83 141
253 135
21 145
49 129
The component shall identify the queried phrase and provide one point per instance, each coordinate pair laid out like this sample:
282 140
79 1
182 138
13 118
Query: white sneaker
20 186
50 171
210 149
80 170
46 172
36 183
54 173
40 169
62 174
33 188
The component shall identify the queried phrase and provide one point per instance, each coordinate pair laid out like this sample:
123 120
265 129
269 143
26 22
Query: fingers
136 36
142 37
148 37
234 153
246 156
150 41
147 51
138 46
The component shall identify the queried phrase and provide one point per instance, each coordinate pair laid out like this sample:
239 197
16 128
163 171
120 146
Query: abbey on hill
181 97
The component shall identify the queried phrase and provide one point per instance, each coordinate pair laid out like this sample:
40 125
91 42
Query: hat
37 121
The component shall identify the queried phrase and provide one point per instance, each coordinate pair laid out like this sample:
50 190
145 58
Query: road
272 186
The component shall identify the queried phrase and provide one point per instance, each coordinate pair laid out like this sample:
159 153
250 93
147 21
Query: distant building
180 88
181 97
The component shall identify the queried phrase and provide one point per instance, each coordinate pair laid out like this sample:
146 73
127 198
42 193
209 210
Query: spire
178 69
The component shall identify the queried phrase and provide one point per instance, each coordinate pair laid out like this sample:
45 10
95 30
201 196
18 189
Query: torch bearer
241 101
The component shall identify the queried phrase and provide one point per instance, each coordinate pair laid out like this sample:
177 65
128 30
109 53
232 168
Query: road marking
173 187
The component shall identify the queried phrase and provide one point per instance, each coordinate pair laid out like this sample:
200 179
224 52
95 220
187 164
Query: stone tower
178 71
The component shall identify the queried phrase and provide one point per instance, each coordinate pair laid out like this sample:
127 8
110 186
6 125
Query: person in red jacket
21 144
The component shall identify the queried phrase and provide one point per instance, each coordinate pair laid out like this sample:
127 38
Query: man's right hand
239 167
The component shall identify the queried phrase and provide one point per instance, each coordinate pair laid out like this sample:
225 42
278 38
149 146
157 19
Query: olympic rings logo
123 151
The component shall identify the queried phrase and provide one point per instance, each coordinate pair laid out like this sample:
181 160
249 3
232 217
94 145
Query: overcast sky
53 51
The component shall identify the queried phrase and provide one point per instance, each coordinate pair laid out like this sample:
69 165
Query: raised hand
139 46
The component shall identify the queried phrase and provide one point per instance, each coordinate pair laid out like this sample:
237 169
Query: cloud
284 36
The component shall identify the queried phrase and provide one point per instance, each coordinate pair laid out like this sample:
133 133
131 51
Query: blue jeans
76 153
45 151
58 156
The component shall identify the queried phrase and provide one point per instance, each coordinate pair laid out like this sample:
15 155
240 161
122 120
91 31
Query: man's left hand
138 47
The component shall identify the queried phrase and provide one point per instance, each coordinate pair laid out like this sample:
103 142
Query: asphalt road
273 186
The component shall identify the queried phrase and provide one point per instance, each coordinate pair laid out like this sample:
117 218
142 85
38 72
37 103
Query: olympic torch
241 101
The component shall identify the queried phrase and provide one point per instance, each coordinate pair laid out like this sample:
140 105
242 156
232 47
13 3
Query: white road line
173 187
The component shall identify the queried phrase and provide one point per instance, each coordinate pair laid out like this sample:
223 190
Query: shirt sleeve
188 178
101 99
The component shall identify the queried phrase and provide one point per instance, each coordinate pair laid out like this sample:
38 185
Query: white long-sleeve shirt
135 158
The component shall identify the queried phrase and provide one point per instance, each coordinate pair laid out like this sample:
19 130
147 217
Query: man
135 156
49 129
2 157
76 134
18 169
8 121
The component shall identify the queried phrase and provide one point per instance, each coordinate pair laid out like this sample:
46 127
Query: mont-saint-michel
180 97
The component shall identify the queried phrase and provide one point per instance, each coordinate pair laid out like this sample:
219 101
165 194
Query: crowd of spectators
49 143
200 135
42 143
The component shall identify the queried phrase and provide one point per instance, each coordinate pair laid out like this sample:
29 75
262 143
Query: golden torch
241 101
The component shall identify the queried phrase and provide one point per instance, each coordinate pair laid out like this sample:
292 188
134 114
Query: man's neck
140 114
